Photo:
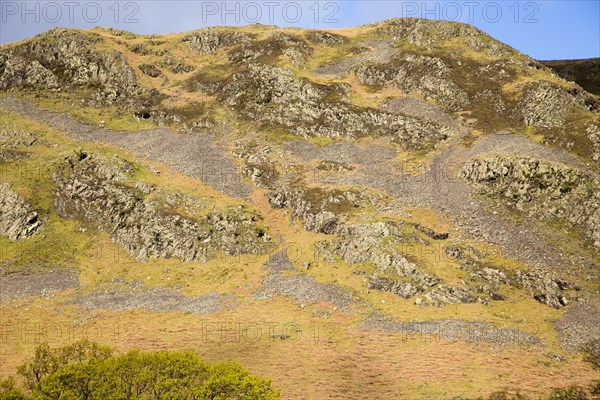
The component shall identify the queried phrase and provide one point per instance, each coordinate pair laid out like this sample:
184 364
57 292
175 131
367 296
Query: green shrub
9 390
86 370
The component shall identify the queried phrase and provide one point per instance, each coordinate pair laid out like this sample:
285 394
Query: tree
87 371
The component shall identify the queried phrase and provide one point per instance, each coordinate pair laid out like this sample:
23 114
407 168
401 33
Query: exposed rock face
334 166
321 210
18 220
151 70
373 242
11 138
274 95
411 72
322 37
207 41
433 35
95 190
539 284
177 66
541 189
423 32
446 294
545 105
63 58
544 288
593 132
401 288
257 166
279 44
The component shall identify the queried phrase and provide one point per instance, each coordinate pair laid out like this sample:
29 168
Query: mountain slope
410 184
585 72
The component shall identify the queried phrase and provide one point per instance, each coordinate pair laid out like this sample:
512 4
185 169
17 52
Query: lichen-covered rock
64 58
401 288
423 32
374 243
593 132
96 190
416 73
257 166
18 220
541 189
545 105
209 40
483 43
322 37
278 44
539 284
445 294
320 210
12 138
177 66
151 70
544 288
274 95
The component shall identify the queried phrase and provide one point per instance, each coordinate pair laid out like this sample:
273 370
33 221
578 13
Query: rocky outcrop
403 288
294 48
275 96
151 70
545 105
374 243
64 58
416 73
209 40
431 35
540 189
257 165
538 283
96 190
322 37
445 294
334 166
12 137
18 219
544 288
593 133
321 210
423 32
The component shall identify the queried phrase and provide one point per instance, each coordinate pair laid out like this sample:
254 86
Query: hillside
585 72
406 207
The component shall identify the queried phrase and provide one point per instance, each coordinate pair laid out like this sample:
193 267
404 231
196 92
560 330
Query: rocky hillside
412 185
585 72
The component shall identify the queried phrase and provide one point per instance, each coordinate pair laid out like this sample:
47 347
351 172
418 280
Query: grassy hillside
406 207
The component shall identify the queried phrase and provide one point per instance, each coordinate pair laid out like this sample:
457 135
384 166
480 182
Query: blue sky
542 29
